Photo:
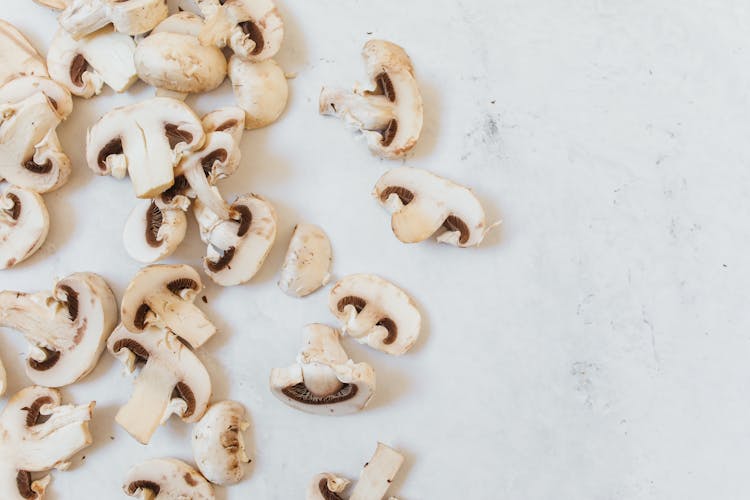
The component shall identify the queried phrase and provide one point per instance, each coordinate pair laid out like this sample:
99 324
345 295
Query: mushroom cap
307 265
376 312
167 479
260 89
24 222
326 486
421 203
132 17
17 56
230 119
155 229
218 444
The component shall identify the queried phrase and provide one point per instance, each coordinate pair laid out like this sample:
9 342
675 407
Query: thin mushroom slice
131 17
260 89
66 328
166 479
324 380
376 312
24 222
326 486
307 265
155 228
218 443
230 119
17 56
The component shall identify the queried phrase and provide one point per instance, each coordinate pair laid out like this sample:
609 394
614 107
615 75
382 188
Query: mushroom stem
40 317
373 113
84 18
378 474
145 410
182 317
198 181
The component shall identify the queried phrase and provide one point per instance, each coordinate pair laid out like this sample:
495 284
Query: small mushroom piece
218 445
307 265
66 328
3 378
24 223
162 295
17 56
422 204
378 474
260 89
326 486
172 381
83 66
131 17
324 380
167 479
230 119
390 115
38 434
376 312
155 228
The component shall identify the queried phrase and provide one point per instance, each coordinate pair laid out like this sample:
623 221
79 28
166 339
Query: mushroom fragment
132 17
326 486
155 228
389 115
218 445
307 265
66 328
378 474
37 434
324 380
24 223
17 56
3 378
54 4
376 312
172 381
422 204
260 89
167 479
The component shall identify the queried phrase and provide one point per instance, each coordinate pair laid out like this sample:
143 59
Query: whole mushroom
260 89
218 444
24 222
167 479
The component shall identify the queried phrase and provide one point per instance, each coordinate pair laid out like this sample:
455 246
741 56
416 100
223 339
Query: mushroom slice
17 56
54 4
376 312
66 327
307 265
218 445
3 378
172 381
24 223
38 434
230 119
83 66
260 89
31 157
324 380
155 228
390 115
132 17
422 203
167 479
162 295
326 486
378 474
146 140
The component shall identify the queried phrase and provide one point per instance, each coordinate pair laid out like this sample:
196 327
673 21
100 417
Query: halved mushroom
326 486
83 66
172 381
307 265
376 312
324 380
132 17
155 228
422 203
389 115
260 89
167 479
17 56
162 296
66 328
146 140
218 445
24 222
37 434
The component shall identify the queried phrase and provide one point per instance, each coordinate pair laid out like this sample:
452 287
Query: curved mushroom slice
324 380
307 265
132 17
66 328
155 228
376 312
260 89
167 479
422 203
230 119
172 381
83 66
38 434
218 445
390 115
326 486
17 56
24 223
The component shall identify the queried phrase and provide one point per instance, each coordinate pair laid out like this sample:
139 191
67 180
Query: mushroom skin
17 56
260 89
38 433
307 265
218 445
326 486
131 17
24 222
166 479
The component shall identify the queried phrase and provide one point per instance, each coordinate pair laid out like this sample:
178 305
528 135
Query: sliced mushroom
326 486
54 4
218 444
167 479
172 381
66 328
307 265
389 115
260 89
230 119
132 17
3 378
376 312
24 223
83 66
38 434
155 228
324 380
422 204
162 295
17 56
378 474
146 140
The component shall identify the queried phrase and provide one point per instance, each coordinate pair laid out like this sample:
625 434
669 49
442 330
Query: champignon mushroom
376 312
260 89
230 119
66 328
38 434
17 56
167 479
155 228
172 381
83 66
146 140
390 115
24 223
162 295
324 380
326 486
422 203
307 265
132 17
218 445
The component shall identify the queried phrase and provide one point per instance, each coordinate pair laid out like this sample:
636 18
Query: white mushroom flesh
307 265
166 479
260 89
24 222
155 228
378 474
326 486
17 56
131 17
219 445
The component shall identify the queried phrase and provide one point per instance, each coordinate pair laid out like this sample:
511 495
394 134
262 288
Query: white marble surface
595 348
